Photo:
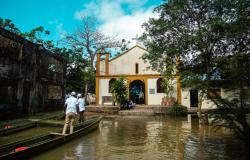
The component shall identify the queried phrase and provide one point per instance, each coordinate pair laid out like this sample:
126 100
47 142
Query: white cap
73 93
79 95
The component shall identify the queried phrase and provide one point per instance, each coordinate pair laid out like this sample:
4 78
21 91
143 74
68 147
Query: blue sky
121 18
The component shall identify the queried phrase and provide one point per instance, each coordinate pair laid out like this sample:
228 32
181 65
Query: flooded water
150 138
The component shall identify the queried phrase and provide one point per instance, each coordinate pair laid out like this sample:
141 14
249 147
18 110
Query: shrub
119 91
176 110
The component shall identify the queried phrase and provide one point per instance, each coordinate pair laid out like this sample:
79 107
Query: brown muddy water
150 138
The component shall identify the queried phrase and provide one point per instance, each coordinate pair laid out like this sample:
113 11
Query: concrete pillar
97 90
178 81
98 64
107 63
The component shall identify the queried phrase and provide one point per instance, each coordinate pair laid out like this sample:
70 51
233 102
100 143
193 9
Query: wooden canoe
7 131
29 147
27 125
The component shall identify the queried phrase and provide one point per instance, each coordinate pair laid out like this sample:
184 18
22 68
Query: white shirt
81 103
71 103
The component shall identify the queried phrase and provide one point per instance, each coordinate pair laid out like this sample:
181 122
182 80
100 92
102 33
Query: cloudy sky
116 17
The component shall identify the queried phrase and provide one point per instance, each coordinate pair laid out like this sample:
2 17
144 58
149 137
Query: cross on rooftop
137 39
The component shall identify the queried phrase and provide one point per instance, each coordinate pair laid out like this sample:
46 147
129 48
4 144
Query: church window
160 88
111 82
136 68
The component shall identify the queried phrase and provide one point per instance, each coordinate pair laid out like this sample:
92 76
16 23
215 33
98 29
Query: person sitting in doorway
71 113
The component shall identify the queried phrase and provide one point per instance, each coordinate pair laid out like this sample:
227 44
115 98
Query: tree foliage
210 37
35 35
76 72
119 91
9 25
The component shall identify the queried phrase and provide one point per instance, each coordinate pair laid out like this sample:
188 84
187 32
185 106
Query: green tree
203 33
9 25
119 91
36 35
75 72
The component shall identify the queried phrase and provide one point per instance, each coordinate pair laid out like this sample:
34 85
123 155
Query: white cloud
114 21
127 26
62 32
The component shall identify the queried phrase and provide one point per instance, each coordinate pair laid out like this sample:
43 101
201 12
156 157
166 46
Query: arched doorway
137 92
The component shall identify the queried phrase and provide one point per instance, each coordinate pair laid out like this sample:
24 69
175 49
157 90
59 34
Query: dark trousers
82 118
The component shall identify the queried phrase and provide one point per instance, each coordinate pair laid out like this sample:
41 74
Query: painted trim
98 64
127 52
131 76
146 91
179 98
128 87
106 63
97 91
178 78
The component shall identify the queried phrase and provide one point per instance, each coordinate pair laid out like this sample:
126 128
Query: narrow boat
29 147
8 128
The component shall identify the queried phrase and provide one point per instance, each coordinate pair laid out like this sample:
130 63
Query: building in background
145 85
32 79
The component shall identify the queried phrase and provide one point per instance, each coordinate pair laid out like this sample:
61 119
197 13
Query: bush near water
176 110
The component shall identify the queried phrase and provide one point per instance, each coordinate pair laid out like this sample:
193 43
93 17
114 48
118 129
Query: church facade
144 85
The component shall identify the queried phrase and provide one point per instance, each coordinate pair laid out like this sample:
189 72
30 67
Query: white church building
144 84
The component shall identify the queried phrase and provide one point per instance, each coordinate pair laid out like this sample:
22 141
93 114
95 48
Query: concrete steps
138 110
143 112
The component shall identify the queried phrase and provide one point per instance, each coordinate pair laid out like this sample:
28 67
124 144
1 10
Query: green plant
119 91
176 110
168 79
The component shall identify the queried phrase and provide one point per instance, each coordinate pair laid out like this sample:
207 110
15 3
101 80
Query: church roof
127 52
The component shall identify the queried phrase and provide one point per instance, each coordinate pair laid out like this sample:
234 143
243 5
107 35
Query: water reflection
151 138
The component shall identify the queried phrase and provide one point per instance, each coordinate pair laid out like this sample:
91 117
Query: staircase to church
139 110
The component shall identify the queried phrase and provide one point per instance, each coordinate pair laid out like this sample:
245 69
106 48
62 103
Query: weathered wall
26 71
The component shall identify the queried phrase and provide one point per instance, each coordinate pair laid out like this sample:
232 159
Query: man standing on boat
71 112
81 103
